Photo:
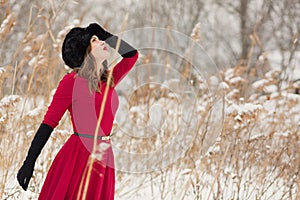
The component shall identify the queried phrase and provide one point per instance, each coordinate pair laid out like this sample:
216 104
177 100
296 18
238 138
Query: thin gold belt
105 138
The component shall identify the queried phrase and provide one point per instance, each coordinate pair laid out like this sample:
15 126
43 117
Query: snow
283 134
27 49
241 109
229 74
296 84
2 70
5 22
135 109
260 83
213 149
7 100
32 62
30 133
291 96
200 180
238 118
279 108
292 72
214 80
34 112
3 118
236 80
272 74
270 88
172 95
224 86
37 61
185 171
196 32
101 148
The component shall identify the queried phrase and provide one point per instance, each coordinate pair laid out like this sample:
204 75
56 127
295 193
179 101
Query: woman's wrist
125 49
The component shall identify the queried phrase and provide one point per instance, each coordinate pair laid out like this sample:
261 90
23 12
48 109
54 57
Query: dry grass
255 156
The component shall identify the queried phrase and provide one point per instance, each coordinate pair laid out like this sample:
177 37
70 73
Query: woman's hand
24 175
97 30
125 49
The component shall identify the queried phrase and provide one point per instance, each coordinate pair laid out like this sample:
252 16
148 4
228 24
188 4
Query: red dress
70 164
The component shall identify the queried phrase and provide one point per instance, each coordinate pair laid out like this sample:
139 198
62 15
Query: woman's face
98 48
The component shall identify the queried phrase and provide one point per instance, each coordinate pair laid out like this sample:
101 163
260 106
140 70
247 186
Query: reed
254 156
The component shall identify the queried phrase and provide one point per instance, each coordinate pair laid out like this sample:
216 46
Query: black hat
74 46
77 41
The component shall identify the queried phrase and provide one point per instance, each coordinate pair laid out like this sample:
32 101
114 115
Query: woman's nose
101 42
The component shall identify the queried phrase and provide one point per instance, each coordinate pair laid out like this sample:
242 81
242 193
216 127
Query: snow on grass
8 100
260 83
241 109
260 133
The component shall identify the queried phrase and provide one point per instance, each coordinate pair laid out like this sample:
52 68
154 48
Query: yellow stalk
91 157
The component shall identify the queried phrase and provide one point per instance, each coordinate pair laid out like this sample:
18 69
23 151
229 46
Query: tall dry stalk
24 78
92 158
262 161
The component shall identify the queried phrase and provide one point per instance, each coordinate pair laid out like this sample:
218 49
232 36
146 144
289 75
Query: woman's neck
99 63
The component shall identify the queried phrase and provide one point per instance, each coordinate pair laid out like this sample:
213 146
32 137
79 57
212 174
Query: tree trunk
243 28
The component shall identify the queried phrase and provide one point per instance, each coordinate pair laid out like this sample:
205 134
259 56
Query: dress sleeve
123 67
61 101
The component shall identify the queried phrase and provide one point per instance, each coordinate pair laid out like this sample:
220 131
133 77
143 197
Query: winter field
196 119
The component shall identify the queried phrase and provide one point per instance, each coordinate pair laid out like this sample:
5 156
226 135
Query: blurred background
253 48
232 32
248 32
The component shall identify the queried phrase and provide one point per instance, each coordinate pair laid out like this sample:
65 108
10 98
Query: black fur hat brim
75 45
77 41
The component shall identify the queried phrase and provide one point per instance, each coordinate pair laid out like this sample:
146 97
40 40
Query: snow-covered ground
189 129
252 156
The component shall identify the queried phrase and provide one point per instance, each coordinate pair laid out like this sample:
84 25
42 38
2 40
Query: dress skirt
69 168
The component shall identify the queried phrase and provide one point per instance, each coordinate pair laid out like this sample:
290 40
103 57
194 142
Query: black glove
125 49
25 172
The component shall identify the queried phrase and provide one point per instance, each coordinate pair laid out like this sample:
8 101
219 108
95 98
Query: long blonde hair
92 73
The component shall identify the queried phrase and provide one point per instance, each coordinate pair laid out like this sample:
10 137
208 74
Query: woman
81 93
